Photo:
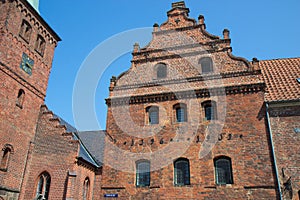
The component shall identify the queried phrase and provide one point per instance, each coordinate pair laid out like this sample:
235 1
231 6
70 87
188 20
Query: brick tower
27 46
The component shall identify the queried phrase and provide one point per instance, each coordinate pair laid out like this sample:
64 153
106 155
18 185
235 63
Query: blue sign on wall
110 195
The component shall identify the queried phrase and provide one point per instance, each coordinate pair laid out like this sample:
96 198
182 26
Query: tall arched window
223 170
210 110
152 115
161 70
206 65
181 172
7 150
180 112
40 45
143 173
20 98
25 31
86 189
43 186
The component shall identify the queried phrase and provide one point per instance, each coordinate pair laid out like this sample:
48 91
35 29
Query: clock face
27 64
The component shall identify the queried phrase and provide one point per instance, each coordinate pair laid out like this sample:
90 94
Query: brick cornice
174 55
205 77
25 6
200 93
187 46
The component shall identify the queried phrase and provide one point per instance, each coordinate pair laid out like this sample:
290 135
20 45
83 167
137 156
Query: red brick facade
21 94
239 132
185 100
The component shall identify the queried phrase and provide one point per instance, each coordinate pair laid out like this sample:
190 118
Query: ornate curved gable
181 43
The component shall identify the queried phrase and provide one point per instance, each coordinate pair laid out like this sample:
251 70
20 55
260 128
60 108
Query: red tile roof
280 76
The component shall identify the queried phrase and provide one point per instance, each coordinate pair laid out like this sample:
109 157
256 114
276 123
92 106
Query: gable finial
179 4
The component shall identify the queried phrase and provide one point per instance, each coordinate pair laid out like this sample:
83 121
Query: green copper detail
35 4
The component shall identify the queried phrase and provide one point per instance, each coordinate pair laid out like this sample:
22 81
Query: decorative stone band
201 93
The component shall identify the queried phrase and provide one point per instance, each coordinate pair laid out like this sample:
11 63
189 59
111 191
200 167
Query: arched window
143 173
180 112
181 172
152 115
20 98
40 45
210 110
223 170
86 189
25 31
5 157
161 70
43 186
206 65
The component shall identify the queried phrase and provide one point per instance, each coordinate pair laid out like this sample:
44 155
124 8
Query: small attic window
298 80
161 70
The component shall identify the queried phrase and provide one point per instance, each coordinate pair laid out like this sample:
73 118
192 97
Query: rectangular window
209 112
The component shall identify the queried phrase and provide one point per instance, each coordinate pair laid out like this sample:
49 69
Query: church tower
27 45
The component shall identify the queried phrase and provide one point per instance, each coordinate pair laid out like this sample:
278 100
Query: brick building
188 120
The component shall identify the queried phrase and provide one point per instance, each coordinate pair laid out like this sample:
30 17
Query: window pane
43 186
153 116
48 181
206 65
161 71
180 114
223 171
5 158
143 174
209 112
182 173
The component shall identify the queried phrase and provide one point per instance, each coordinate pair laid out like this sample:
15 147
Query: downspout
273 151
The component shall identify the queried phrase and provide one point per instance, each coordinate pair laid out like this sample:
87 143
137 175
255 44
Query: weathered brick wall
84 172
52 152
248 148
284 122
18 124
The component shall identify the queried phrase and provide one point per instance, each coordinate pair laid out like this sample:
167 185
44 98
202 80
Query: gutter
273 151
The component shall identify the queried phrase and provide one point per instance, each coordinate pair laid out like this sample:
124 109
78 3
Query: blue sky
266 29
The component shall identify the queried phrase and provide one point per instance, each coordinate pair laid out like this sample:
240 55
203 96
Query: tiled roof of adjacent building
90 145
280 76
94 142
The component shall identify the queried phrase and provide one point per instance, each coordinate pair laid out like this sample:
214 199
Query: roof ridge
274 59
